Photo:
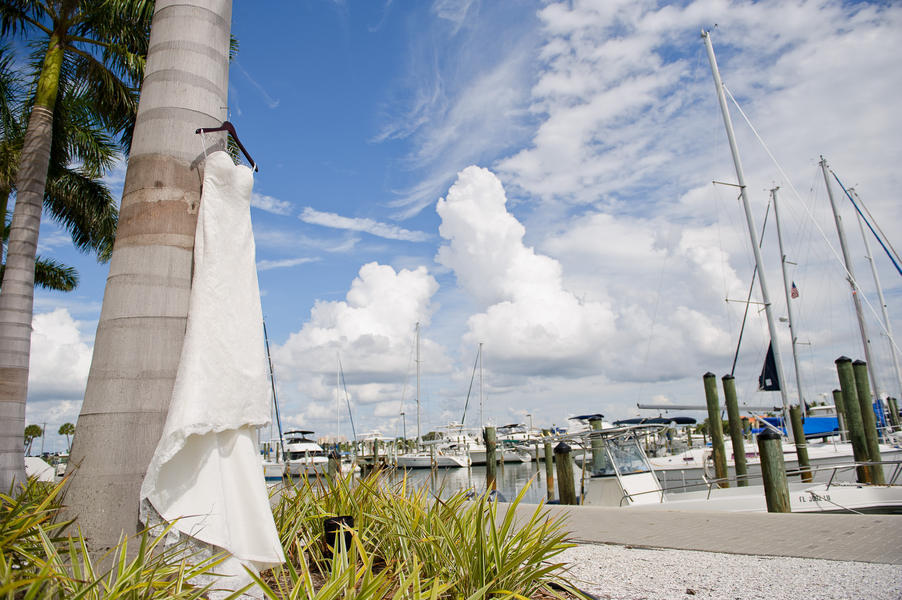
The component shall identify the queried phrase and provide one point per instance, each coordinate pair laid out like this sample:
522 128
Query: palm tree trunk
142 322
17 294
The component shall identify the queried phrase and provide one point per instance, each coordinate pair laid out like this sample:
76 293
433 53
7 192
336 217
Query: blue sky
579 237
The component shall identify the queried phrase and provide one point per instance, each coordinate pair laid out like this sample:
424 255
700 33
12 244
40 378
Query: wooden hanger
226 126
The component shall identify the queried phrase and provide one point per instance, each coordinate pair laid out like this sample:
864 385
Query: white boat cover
206 476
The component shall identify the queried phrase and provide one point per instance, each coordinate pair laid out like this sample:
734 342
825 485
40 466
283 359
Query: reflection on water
511 478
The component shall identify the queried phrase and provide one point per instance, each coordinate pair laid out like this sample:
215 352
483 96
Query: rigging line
867 222
406 380
669 234
272 380
829 245
877 225
751 290
472 377
347 399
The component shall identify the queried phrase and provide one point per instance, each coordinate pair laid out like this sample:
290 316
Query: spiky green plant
471 545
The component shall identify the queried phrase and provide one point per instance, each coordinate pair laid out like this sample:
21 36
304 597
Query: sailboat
692 466
435 456
475 447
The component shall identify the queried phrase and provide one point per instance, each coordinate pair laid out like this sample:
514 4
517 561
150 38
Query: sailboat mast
850 277
787 286
481 417
419 436
338 396
750 220
886 323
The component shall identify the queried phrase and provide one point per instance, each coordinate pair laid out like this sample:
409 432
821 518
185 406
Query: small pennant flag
794 291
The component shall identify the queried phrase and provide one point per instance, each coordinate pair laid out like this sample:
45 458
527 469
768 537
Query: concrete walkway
864 538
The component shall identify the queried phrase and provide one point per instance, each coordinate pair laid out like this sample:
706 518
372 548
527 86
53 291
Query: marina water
511 478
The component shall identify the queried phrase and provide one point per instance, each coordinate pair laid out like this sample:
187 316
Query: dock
841 537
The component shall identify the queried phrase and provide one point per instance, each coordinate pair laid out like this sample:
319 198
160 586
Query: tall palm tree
31 432
145 306
95 45
67 429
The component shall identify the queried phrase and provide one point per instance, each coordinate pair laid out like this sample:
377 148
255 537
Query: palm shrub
468 546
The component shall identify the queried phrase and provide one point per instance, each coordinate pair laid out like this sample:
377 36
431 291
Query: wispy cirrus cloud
266 265
391 232
270 204
266 97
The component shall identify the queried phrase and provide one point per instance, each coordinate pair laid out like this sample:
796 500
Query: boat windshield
626 456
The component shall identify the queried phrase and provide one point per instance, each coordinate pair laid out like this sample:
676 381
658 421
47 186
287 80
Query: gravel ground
626 573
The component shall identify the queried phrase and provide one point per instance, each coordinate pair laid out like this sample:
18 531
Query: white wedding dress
206 476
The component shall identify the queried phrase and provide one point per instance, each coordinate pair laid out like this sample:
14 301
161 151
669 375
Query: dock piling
798 433
840 415
715 424
563 462
490 463
549 466
853 415
729 394
598 456
773 471
868 420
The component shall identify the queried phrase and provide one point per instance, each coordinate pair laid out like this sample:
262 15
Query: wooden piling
490 463
894 412
868 420
334 465
715 424
773 471
795 415
564 464
729 394
549 466
853 416
598 456
840 415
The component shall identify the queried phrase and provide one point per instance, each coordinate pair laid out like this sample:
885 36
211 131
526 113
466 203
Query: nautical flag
794 291
768 380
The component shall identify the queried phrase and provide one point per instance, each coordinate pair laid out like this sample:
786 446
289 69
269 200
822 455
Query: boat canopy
657 421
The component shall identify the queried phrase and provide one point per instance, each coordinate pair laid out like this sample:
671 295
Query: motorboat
459 440
627 478
303 456
434 457
691 469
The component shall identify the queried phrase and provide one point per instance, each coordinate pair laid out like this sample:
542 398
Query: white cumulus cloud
60 360
532 324
372 331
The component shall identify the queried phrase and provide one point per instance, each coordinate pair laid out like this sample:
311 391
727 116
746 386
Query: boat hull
686 472
425 460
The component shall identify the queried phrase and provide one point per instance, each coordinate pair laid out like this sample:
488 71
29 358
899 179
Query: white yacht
303 455
628 479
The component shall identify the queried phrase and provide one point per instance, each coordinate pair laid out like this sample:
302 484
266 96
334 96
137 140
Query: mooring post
564 464
729 395
840 415
334 464
490 463
801 444
715 424
598 456
549 466
853 416
894 412
773 471
868 420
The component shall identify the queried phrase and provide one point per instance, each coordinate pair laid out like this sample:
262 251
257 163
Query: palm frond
53 275
85 208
